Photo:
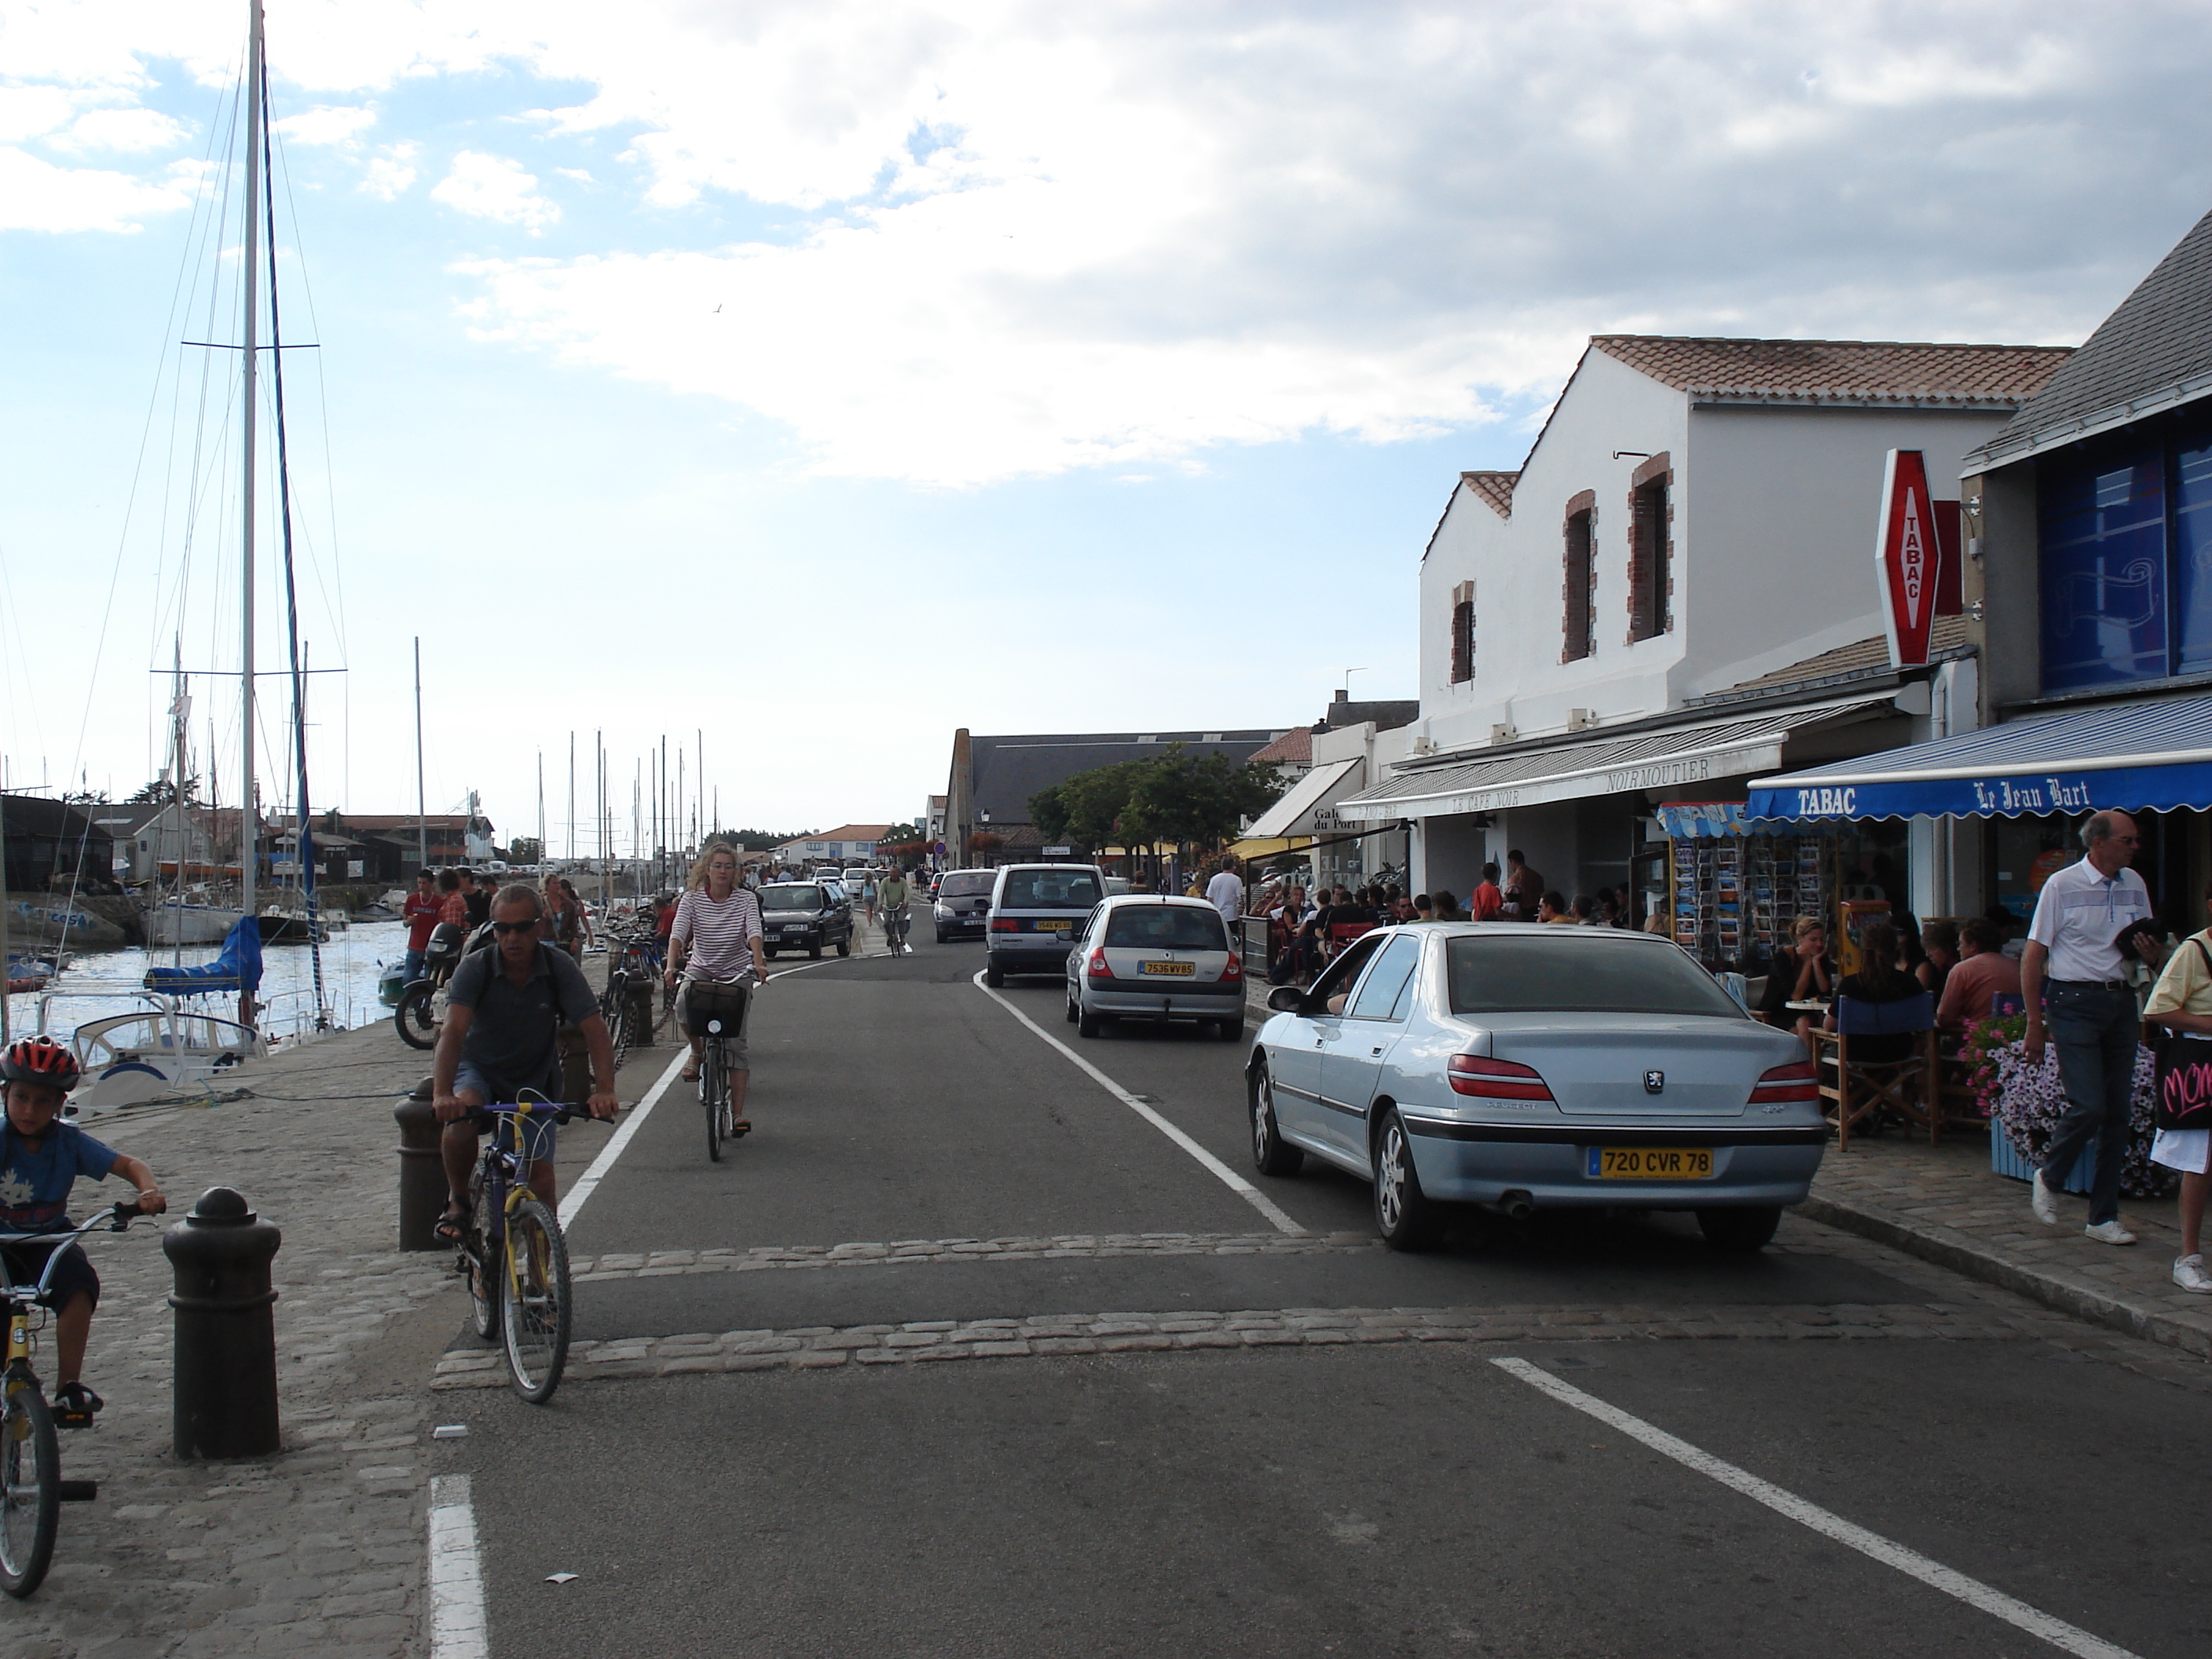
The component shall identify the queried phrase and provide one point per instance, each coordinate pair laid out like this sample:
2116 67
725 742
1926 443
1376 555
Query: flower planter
2006 1162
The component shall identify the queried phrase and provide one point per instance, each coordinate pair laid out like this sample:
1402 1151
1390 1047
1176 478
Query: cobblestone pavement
319 1548
1059 1247
1946 1205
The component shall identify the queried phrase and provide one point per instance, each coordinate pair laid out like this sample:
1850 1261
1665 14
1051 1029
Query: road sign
1906 556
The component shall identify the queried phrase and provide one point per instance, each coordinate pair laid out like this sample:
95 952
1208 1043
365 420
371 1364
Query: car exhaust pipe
1516 1206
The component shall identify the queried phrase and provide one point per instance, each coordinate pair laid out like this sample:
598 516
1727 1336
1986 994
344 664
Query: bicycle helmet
39 1060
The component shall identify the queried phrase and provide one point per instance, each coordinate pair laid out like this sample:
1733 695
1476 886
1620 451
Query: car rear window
808 897
1528 974
966 884
1166 928
1048 890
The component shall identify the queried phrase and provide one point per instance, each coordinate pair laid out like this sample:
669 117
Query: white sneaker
2189 1273
2042 1200
2110 1232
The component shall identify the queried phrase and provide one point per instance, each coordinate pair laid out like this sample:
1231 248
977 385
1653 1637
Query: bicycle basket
705 999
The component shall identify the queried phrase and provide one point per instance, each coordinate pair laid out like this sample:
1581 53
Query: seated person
40 1162
1881 980
1983 972
1940 940
1804 975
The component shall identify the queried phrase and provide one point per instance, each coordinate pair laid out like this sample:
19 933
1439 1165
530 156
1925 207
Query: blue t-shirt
34 1186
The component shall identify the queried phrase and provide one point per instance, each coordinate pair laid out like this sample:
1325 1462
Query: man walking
2079 917
1226 893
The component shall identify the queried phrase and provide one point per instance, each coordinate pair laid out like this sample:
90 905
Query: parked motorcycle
420 1010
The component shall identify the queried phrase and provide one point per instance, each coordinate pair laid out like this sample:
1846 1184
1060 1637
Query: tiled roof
1495 487
1949 634
1878 373
2155 350
1293 748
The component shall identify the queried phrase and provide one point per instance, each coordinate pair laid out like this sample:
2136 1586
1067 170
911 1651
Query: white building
848 843
1676 590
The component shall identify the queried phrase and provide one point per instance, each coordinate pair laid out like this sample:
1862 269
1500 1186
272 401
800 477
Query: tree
1201 801
162 792
1091 809
524 849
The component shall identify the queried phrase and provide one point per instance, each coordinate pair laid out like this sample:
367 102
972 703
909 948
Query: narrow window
1463 634
1577 587
1649 575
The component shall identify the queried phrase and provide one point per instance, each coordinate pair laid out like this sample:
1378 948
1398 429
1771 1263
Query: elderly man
1226 893
2079 918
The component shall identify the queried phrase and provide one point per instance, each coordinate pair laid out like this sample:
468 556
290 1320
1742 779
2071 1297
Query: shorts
734 1030
72 1273
536 1128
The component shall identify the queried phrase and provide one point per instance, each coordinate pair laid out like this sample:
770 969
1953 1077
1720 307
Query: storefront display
1736 900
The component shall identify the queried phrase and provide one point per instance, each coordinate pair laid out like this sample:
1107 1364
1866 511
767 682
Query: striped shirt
716 936
2080 913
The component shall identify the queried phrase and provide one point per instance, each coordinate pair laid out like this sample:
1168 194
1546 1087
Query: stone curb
1963 1253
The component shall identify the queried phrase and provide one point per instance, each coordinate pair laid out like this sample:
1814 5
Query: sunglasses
514 926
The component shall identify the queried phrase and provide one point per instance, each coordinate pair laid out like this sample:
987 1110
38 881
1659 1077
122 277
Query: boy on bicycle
40 1159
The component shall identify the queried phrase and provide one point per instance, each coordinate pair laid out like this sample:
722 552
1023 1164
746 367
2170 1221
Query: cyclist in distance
891 897
40 1162
717 935
503 1009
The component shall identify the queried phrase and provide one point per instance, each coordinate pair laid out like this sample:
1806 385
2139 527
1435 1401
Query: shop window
1578 578
1463 634
2192 563
2102 536
1650 576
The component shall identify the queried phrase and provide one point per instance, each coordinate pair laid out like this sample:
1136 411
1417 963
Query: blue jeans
2095 1031
411 968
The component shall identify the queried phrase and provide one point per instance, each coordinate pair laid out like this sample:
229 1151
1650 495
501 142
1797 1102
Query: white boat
186 921
161 1049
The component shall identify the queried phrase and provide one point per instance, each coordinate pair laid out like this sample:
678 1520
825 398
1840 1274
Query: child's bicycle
31 1490
512 1253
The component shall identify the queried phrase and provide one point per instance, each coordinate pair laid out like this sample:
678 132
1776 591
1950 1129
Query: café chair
1861 1088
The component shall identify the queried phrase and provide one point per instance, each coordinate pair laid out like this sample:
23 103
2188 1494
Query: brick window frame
1578 578
1650 548
1463 634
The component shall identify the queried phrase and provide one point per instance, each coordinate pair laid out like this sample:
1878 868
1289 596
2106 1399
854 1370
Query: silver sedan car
1139 956
1526 1067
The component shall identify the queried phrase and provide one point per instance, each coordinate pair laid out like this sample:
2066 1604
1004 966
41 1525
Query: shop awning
1266 847
1675 757
1295 814
2139 757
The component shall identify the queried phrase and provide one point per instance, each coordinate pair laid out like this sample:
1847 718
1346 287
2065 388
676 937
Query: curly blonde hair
698 876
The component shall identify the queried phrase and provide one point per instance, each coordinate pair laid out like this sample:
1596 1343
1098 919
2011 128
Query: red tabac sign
1909 558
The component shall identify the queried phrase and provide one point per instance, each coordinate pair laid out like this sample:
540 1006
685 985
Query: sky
823 377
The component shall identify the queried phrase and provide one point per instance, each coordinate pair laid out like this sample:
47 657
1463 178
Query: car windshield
1529 974
1166 928
1048 890
791 898
966 884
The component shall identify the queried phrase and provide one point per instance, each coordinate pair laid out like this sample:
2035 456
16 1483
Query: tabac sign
1908 557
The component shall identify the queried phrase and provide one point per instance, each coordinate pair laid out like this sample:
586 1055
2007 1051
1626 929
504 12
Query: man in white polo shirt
2079 917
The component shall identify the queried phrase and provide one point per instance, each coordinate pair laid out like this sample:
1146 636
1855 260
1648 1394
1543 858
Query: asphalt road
1413 1498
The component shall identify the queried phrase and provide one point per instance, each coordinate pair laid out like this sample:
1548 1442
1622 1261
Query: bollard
421 1171
225 1398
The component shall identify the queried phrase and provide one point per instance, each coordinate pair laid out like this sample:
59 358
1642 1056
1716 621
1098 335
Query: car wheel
993 976
1740 1229
769 951
815 952
940 936
1230 1030
1404 1214
1088 1024
1270 1155
1074 1011
844 947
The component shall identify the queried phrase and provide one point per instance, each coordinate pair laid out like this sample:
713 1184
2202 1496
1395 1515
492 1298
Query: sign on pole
1907 557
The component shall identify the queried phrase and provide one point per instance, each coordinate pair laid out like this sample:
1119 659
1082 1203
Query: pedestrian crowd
455 896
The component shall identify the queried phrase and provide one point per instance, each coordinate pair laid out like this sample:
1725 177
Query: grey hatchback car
1526 1067
964 903
1140 956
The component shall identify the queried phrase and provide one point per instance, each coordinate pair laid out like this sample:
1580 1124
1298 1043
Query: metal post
224 1395
421 818
421 1170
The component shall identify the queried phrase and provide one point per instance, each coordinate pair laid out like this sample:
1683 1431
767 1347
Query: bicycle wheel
30 1486
484 1294
611 1011
538 1311
417 1015
714 1093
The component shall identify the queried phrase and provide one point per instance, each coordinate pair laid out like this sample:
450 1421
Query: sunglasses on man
514 926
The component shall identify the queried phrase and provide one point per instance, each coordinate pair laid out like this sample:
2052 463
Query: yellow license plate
1056 926
1652 1163
1183 968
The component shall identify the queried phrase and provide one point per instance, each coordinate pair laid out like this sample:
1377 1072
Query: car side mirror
1287 999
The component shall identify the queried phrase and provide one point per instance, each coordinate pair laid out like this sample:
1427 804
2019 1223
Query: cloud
26 112
36 195
494 187
122 130
392 172
339 125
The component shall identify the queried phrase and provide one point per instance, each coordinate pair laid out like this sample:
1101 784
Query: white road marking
457 1625
1911 1563
586 1182
1228 1177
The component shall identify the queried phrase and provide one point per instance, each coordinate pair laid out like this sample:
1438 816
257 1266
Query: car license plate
1652 1163
1181 970
1049 926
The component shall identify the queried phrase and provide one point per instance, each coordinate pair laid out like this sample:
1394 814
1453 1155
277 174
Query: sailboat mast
421 820
249 837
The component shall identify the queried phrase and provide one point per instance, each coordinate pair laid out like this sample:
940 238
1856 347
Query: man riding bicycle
40 1159
504 1008
893 895
717 936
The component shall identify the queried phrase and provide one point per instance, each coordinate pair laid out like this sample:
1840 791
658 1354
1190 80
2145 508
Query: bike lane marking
458 1629
1909 1561
1212 1165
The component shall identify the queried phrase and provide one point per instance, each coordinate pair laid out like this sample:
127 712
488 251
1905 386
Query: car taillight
1099 967
1005 924
1495 1079
1235 969
1797 1082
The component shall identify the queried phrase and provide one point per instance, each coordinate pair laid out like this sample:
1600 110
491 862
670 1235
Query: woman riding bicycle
717 936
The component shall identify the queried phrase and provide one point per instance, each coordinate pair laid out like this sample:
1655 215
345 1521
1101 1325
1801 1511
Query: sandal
74 1406
692 1073
452 1226
740 1127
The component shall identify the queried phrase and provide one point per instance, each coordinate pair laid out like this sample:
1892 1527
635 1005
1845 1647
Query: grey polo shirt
510 1040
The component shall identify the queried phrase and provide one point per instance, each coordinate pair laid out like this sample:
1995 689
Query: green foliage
1173 798
524 849
162 792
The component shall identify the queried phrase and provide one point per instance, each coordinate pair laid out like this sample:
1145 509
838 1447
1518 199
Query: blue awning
2136 757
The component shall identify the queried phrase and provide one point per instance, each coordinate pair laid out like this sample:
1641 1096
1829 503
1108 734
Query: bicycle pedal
73 1421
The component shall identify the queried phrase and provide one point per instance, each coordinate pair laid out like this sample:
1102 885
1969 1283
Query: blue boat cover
237 967
2138 757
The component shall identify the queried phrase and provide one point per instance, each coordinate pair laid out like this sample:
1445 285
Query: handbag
2185 1074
